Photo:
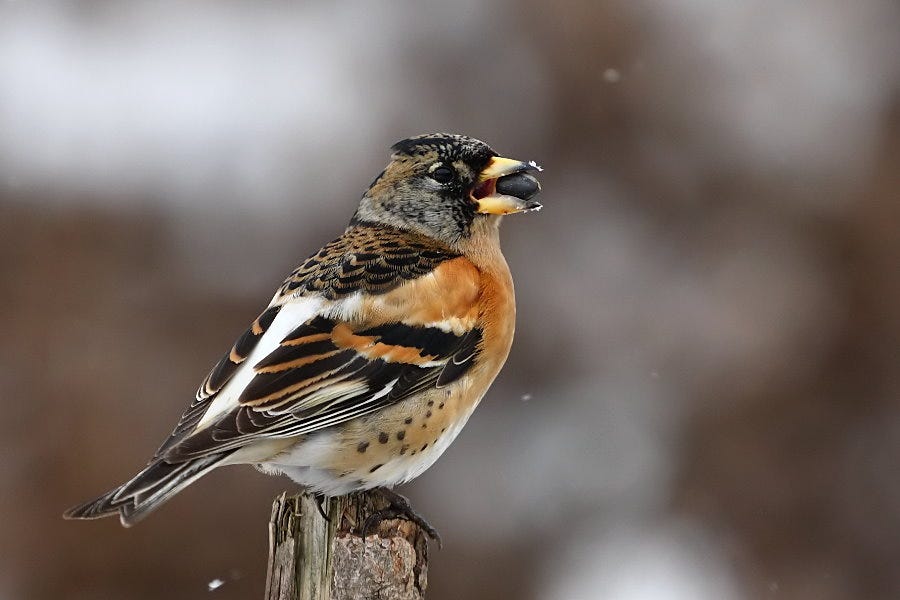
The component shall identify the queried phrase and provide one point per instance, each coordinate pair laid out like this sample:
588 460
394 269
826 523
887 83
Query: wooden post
311 558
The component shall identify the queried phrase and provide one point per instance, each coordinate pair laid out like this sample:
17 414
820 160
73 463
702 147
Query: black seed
362 446
382 438
520 185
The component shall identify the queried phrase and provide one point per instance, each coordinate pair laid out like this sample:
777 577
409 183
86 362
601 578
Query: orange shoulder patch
446 298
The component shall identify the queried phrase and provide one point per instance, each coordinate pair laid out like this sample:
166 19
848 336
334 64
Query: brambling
374 352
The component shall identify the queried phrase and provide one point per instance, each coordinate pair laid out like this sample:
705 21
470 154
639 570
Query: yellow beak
490 201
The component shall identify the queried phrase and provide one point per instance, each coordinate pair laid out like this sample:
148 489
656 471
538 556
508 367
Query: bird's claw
320 504
399 507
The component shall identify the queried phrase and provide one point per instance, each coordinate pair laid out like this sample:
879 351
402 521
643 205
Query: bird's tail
135 499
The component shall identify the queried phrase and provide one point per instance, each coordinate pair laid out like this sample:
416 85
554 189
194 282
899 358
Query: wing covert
333 367
303 387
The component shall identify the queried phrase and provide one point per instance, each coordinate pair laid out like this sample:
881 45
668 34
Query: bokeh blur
703 400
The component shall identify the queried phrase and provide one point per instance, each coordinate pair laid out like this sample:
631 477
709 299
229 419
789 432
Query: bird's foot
320 504
399 507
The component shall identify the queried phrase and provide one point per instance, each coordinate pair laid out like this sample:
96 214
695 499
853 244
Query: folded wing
339 360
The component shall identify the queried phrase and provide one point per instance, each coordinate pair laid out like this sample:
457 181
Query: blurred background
703 400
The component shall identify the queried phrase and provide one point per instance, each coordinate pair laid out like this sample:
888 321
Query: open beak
505 186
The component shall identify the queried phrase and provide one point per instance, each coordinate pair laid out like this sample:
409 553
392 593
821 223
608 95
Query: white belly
304 463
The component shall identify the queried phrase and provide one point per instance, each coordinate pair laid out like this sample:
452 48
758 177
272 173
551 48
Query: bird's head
442 185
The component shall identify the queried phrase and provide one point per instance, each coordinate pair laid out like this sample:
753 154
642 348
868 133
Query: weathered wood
298 550
314 559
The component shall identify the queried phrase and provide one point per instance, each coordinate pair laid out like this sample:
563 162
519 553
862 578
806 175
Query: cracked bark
314 559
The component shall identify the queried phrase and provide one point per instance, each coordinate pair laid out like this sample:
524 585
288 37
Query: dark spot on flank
424 425
425 445
431 403
443 429
413 453
362 446
404 448
401 434
428 414
382 438
407 420
375 468
441 405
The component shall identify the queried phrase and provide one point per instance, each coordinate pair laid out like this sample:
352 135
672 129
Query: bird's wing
337 347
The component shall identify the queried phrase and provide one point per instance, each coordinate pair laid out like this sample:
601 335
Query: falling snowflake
612 76
215 584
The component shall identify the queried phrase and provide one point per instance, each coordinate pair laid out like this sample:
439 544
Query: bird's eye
442 174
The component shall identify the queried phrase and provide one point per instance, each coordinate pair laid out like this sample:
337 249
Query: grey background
702 400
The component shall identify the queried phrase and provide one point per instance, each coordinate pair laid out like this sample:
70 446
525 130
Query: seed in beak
520 185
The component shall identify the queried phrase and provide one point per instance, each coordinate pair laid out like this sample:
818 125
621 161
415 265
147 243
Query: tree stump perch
311 558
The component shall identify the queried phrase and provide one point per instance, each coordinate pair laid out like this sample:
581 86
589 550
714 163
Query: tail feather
94 509
146 491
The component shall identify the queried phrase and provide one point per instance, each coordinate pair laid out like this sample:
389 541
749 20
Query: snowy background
703 400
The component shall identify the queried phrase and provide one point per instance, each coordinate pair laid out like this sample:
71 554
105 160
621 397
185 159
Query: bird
374 352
